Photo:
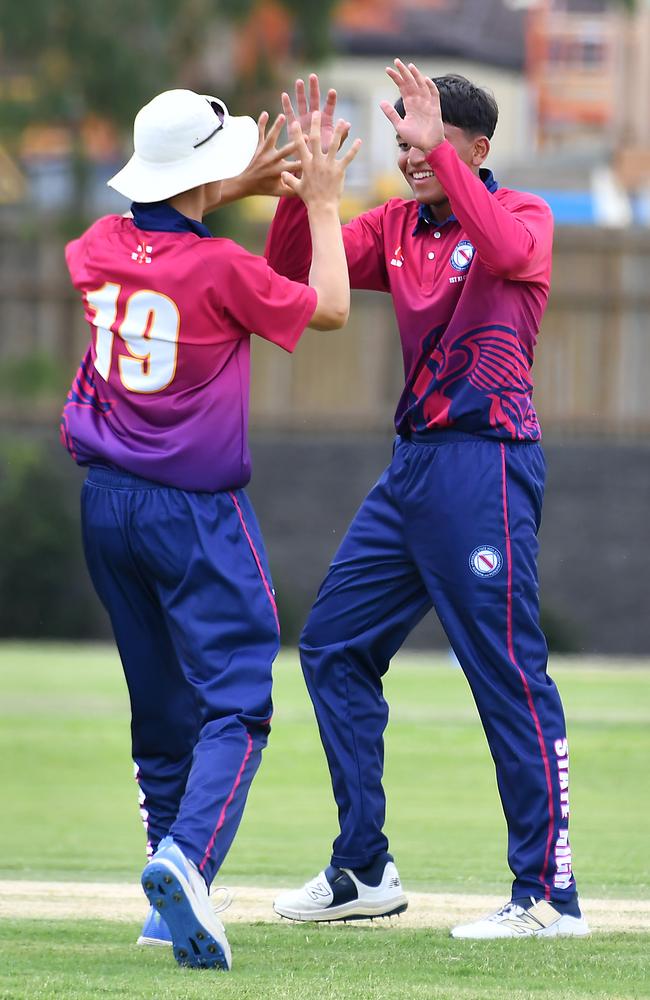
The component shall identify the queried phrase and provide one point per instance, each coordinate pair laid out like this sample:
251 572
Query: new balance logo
141 256
537 918
321 890
398 257
394 883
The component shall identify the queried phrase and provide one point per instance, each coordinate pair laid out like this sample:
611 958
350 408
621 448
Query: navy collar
161 217
427 218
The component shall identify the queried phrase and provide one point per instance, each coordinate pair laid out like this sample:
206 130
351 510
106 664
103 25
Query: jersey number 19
148 330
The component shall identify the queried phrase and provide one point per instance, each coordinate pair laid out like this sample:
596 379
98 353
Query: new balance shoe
154 930
337 894
527 917
175 888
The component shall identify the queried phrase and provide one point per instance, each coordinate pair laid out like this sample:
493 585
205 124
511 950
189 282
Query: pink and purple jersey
469 295
163 389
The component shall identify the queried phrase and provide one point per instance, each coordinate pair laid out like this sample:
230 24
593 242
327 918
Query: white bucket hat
182 139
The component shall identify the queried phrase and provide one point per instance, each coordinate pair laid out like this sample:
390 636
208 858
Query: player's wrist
323 208
231 190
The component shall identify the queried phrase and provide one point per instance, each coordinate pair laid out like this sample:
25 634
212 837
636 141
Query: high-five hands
262 176
321 173
305 109
422 125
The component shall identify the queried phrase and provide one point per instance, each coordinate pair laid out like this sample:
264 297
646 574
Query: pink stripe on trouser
524 680
222 814
267 586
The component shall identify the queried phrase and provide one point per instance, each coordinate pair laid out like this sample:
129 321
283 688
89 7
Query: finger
284 151
337 138
287 107
391 114
261 125
404 71
330 104
274 131
396 78
433 90
291 166
346 132
314 133
299 140
419 77
314 93
289 181
351 153
301 98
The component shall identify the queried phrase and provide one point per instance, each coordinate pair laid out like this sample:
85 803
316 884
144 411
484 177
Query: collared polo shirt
163 388
468 293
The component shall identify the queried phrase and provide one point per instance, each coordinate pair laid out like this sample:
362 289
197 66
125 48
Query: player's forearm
288 243
329 273
231 190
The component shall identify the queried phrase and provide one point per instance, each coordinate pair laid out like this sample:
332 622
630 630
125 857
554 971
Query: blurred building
588 68
572 79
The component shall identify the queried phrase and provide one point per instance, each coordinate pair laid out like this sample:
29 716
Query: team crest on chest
462 255
485 561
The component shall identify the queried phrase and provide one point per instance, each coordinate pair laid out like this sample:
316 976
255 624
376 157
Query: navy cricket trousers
185 581
452 523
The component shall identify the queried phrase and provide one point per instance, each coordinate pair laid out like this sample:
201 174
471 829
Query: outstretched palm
422 124
305 108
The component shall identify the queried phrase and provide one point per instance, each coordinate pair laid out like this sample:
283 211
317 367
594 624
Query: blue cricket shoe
177 891
154 930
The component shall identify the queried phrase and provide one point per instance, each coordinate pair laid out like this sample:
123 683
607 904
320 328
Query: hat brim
226 155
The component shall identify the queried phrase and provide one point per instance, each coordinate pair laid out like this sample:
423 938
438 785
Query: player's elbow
511 265
330 317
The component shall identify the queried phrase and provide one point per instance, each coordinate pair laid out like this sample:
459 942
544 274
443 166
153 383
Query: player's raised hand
305 107
422 125
263 174
321 173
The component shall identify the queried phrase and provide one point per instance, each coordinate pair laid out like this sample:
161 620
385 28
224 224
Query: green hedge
44 587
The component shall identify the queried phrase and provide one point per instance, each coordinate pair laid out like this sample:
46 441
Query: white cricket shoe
175 888
538 919
337 894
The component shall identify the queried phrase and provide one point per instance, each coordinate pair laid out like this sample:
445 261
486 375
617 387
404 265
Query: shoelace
219 905
510 909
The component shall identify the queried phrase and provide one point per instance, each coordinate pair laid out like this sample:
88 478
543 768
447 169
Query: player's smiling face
419 175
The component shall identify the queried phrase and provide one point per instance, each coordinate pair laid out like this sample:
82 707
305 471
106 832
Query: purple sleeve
288 245
513 241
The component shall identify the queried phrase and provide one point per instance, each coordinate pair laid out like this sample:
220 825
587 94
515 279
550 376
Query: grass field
70 813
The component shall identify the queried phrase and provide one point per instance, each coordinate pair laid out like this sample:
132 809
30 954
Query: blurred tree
44 587
108 57
79 61
312 19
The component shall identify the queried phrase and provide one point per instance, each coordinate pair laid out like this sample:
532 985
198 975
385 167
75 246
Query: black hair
463 104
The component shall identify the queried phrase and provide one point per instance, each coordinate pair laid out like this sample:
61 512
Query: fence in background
592 370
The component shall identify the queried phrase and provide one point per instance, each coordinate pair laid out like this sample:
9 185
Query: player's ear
480 150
